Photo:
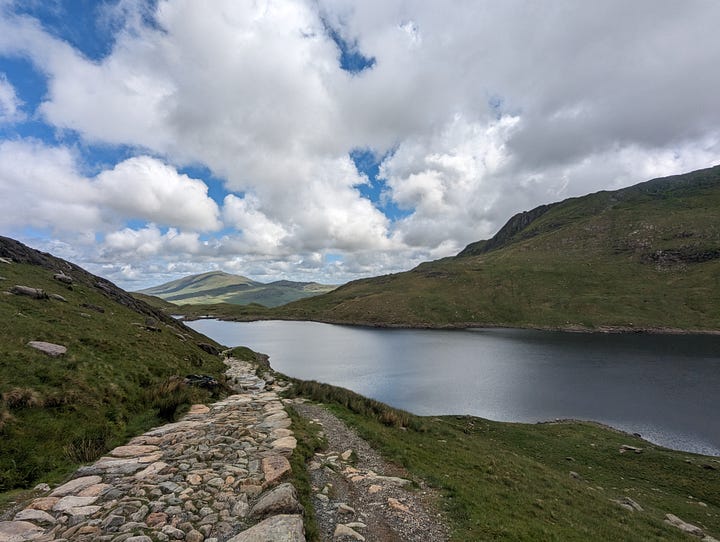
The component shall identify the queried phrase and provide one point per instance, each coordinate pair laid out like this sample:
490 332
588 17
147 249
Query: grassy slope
644 257
503 481
113 381
219 287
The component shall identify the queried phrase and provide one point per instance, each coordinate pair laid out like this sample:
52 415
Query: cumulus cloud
10 104
482 110
145 188
41 187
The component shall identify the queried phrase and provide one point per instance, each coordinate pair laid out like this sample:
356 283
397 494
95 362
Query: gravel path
359 496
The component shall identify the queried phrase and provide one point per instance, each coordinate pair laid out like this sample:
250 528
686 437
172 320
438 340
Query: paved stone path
214 476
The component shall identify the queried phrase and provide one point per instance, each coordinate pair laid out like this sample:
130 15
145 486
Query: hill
220 287
122 372
644 257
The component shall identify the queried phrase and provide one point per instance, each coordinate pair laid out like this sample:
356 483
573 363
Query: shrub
18 398
89 445
170 396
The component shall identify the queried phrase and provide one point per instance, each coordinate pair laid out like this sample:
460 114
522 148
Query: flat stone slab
52 350
20 531
281 528
134 450
76 485
66 503
274 467
36 516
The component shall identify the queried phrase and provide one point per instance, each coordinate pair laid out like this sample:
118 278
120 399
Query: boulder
35 293
20 531
209 348
281 500
52 350
62 277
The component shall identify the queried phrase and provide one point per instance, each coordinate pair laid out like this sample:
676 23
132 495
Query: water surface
664 387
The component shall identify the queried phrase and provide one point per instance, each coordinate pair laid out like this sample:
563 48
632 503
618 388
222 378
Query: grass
122 374
503 481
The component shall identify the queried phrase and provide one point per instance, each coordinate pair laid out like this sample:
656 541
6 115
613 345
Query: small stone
140 538
346 455
194 479
322 498
152 470
397 505
374 488
42 487
199 409
627 448
43 503
69 502
280 528
194 536
345 509
73 486
345 531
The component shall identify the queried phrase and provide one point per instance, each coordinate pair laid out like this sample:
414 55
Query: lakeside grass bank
550 481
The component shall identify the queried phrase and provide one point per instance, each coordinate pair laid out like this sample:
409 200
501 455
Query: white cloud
10 104
145 188
487 109
41 187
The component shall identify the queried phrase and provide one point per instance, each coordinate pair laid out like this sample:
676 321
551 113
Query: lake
664 387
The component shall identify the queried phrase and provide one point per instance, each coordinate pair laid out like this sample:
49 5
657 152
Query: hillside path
360 496
214 476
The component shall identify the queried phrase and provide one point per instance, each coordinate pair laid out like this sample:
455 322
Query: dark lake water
665 387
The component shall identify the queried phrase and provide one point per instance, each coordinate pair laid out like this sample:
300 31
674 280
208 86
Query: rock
36 516
62 277
397 505
140 538
194 536
42 487
345 531
133 450
346 455
43 503
96 308
202 381
627 448
52 350
209 348
76 485
281 500
343 508
6 260
20 531
285 444
199 409
281 528
374 488
58 297
684 526
274 467
66 503
151 471
35 293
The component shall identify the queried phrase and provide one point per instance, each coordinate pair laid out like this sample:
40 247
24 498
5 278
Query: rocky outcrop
213 476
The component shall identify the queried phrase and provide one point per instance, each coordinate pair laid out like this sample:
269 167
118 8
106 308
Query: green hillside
122 373
221 287
643 257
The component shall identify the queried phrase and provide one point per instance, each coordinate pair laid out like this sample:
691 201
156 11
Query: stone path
214 476
359 496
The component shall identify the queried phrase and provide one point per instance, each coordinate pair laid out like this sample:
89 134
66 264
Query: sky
328 140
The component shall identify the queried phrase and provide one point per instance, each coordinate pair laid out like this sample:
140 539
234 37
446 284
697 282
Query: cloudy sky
333 139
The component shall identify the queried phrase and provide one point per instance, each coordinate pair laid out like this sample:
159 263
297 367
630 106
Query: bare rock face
52 350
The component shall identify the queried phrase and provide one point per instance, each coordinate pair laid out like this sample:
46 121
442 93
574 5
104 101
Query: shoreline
572 328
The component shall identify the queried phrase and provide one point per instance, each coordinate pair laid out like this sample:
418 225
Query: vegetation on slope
219 287
644 257
122 372
556 481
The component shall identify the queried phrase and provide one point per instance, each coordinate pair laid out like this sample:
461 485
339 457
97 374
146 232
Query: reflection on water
661 386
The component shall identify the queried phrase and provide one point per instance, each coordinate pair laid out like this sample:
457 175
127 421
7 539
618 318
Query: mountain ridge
645 257
222 287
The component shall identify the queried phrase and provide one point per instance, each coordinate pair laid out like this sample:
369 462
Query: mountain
643 257
220 287
122 371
